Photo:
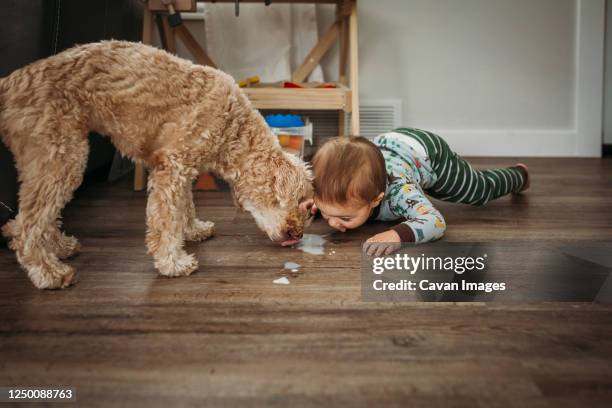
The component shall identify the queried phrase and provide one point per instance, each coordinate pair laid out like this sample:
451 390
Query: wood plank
302 98
314 56
227 336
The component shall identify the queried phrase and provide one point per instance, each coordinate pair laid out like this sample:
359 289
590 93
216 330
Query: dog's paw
54 275
182 265
199 230
67 247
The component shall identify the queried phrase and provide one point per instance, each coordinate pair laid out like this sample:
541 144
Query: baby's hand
308 205
382 244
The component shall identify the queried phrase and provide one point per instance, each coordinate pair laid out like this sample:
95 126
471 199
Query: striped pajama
457 181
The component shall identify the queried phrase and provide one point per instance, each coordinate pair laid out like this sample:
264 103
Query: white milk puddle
292 266
281 281
312 244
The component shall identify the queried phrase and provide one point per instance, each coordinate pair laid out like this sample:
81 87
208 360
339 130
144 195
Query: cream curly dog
176 117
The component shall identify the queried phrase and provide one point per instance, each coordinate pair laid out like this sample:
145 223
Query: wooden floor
228 336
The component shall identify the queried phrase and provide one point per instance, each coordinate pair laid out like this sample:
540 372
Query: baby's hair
348 170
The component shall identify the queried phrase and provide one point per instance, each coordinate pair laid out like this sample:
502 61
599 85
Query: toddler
386 179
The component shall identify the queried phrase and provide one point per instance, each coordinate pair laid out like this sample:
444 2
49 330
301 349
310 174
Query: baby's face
344 217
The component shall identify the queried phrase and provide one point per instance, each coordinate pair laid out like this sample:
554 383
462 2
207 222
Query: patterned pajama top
419 162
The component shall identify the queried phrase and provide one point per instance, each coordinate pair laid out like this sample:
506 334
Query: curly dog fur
177 118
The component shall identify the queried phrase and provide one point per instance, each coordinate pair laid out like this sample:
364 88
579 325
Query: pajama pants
457 181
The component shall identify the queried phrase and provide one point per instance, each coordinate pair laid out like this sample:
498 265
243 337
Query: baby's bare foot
525 172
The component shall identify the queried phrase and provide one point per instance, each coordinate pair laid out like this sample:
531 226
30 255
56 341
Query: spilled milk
312 244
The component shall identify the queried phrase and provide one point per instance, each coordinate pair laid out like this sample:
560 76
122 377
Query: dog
177 118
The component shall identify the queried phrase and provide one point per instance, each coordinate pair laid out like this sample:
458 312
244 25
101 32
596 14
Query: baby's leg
467 185
458 182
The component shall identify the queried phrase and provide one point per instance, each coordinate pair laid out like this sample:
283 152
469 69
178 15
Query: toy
292 132
248 82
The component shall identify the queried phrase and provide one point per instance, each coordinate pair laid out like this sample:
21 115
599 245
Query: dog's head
274 196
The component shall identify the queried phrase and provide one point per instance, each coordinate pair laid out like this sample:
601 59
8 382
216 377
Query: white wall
472 64
608 76
494 77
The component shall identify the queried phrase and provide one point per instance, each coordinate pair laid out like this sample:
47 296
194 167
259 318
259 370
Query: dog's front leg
166 218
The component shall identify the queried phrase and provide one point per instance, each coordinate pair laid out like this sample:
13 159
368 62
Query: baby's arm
424 223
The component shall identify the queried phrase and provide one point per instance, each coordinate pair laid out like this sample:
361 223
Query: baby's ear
378 199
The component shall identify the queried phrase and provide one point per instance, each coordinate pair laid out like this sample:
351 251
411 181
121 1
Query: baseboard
515 143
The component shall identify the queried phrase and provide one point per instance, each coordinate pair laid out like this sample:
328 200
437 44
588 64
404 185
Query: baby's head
350 181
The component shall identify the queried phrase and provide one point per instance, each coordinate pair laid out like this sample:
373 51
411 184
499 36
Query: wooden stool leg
193 46
140 175
343 43
147 26
342 58
169 36
353 44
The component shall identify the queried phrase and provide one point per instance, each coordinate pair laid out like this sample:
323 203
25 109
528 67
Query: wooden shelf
271 97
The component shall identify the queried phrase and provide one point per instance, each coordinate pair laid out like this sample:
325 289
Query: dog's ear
283 180
290 176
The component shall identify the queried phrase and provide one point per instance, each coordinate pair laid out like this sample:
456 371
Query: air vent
378 116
